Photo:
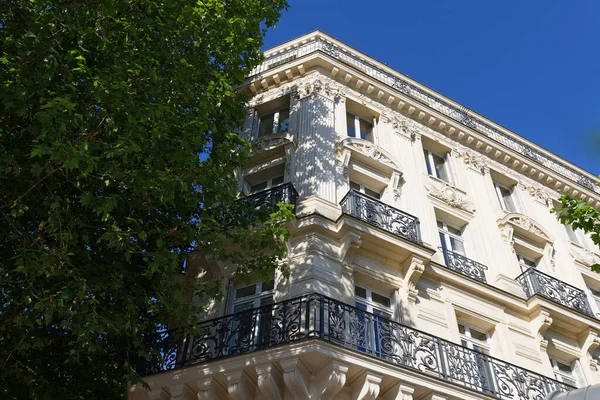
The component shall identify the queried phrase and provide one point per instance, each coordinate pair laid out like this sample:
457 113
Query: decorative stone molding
270 381
331 380
351 245
473 160
240 385
405 127
366 387
296 378
541 322
523 223
539 193
371 151
318 86
271 141
583 255
450 195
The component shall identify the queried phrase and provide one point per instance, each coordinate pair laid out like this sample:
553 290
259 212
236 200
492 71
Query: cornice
399 92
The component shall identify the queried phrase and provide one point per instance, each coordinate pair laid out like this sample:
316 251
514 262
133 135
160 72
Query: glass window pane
258 187
564 367
277 181
361 306
379 299
266 125
350 125
243 306
454 231
266 286
355 186
360 292
441 168
461 329
284 120
508 200
366 130
245 291
478 335
372 193
457 246
571 234
265 301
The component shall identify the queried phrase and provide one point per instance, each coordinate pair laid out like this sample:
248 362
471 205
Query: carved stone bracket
240 385
366 387
590 341
400 391
541 322
473 160
413 273
351 245
209 388
331 380
270 381
296 378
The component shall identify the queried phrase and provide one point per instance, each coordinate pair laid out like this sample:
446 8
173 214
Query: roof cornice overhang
413 100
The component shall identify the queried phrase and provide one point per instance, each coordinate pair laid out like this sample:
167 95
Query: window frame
276 128
357 118
269 184
256 298
444 232
369 304
524 266
363 189
467 337
498 189
432 169
559 375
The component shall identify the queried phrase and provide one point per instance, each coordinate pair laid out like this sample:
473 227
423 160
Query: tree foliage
116 137
580 215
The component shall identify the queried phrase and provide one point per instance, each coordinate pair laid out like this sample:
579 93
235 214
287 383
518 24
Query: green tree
580 215
116 137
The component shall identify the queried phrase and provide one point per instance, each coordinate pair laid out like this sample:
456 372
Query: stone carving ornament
451 196
584 256
471 158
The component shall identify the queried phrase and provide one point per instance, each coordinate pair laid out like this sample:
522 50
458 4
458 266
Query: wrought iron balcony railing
536 282
463 265
268 198
381 215
319 317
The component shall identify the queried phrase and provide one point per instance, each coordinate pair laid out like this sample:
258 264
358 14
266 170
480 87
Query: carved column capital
366 387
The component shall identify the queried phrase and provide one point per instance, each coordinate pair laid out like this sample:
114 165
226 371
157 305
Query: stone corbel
331 380
351 245
366 387
413 273
209 388
270 381
400 391
506 233
590 341
296 378
240 385
178 391
540 324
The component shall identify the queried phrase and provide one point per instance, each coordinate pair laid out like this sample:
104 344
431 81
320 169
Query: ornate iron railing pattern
381 215
284 193
459 114
537 282
319 317
463 265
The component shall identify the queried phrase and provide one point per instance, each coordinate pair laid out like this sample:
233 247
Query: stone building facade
424 260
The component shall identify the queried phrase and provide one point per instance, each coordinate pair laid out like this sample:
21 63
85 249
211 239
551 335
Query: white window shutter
578 374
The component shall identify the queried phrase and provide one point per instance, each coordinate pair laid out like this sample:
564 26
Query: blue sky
532 66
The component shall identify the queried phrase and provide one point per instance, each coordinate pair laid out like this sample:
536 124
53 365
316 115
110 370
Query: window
379 305
363 189
251 326
257 187
526 262
451 238
595 293
437 165
505 197
480 374
575 235
563 372
355 124
275 122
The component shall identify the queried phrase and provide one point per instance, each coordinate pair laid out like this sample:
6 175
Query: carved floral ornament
272 141
583 256
450 195
318 86
523 222
471 158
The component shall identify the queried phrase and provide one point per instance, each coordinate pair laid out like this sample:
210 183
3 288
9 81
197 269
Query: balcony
536 282
376 213
269 198
316 317
463 265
